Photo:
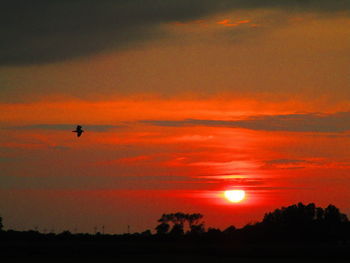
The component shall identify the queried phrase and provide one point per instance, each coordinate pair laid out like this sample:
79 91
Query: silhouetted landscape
303 232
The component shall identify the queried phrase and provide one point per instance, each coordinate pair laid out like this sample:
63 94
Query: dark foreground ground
170 251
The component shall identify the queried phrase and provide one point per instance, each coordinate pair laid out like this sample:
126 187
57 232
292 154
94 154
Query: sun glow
235 196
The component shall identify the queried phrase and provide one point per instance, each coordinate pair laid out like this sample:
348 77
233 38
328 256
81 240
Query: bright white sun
235 196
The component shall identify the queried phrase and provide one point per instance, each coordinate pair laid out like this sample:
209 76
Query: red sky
198 103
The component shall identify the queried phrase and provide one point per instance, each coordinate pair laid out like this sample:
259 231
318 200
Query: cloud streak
311 122
65 127
49 31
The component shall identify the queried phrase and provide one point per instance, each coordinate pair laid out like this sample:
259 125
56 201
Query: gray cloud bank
42 31
311 122
85 182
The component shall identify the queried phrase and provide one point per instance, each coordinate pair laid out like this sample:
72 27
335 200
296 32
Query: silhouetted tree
197 229
230 230
332 215
299 214
213 233
194 219
66 233
165 218
178 220
146 233
319 214
306 222
195 224
162 228
1 225
177 230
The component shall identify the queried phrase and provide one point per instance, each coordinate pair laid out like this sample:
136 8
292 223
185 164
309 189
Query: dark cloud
65 127
42 31
292 164
312 122
285 161
289 164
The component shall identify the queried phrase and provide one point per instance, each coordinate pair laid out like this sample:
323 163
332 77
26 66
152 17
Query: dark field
170 252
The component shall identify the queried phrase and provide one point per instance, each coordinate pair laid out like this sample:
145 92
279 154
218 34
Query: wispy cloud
309 122
314 163
229 23
65 127
289 164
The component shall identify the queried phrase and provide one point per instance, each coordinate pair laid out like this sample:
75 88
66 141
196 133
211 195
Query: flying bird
78 130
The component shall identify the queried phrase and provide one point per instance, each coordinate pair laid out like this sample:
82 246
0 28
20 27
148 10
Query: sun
235 196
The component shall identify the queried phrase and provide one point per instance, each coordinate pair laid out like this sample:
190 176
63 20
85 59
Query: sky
180 101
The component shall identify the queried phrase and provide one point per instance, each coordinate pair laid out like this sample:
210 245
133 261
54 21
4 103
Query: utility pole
128 229
103 229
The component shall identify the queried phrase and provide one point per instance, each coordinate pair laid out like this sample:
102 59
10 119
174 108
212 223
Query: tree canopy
178 221
301 214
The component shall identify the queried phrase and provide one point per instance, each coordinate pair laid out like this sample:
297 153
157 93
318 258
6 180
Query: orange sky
253 99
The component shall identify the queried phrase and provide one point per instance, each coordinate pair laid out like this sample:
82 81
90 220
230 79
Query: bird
79 130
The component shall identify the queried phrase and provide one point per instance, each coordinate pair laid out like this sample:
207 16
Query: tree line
298 222
291 223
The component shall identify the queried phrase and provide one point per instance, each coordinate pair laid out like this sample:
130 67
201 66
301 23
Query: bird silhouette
79 130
